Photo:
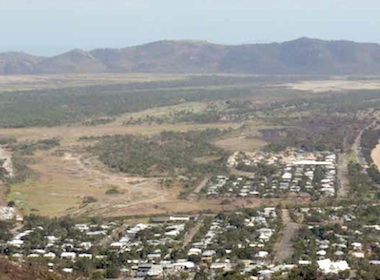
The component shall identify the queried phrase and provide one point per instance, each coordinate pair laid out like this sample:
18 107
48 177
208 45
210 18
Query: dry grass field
334 85
164 111
70 134
248 138
33 82
241 143
64 179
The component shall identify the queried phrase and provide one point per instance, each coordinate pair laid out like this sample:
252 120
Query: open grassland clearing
63 184
338 84
247 138
65 178
56 81
166 110
33 82
70 134
241 143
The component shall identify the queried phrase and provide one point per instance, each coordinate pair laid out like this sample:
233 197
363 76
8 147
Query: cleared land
63 183
242 143
333 85
33 82
248 137
65 179
70 134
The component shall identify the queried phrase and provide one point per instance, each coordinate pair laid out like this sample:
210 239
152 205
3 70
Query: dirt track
193 231
285 250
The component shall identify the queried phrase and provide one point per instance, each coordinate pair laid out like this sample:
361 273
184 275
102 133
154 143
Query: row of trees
370 139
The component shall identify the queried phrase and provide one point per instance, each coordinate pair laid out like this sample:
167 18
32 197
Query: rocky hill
301 56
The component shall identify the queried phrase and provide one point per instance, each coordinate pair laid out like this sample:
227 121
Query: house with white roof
328 266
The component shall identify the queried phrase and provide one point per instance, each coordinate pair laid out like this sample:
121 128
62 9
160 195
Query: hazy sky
48 27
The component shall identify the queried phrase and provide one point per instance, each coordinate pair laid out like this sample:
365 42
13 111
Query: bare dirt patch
241 143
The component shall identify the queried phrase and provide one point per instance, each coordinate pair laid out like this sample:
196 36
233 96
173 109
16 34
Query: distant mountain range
301 56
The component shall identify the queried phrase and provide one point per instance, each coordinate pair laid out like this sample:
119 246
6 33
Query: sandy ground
375 154
333 85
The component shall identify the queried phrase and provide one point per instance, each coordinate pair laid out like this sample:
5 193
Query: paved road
286 250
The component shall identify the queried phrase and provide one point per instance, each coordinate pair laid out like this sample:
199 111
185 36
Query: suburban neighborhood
333 240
